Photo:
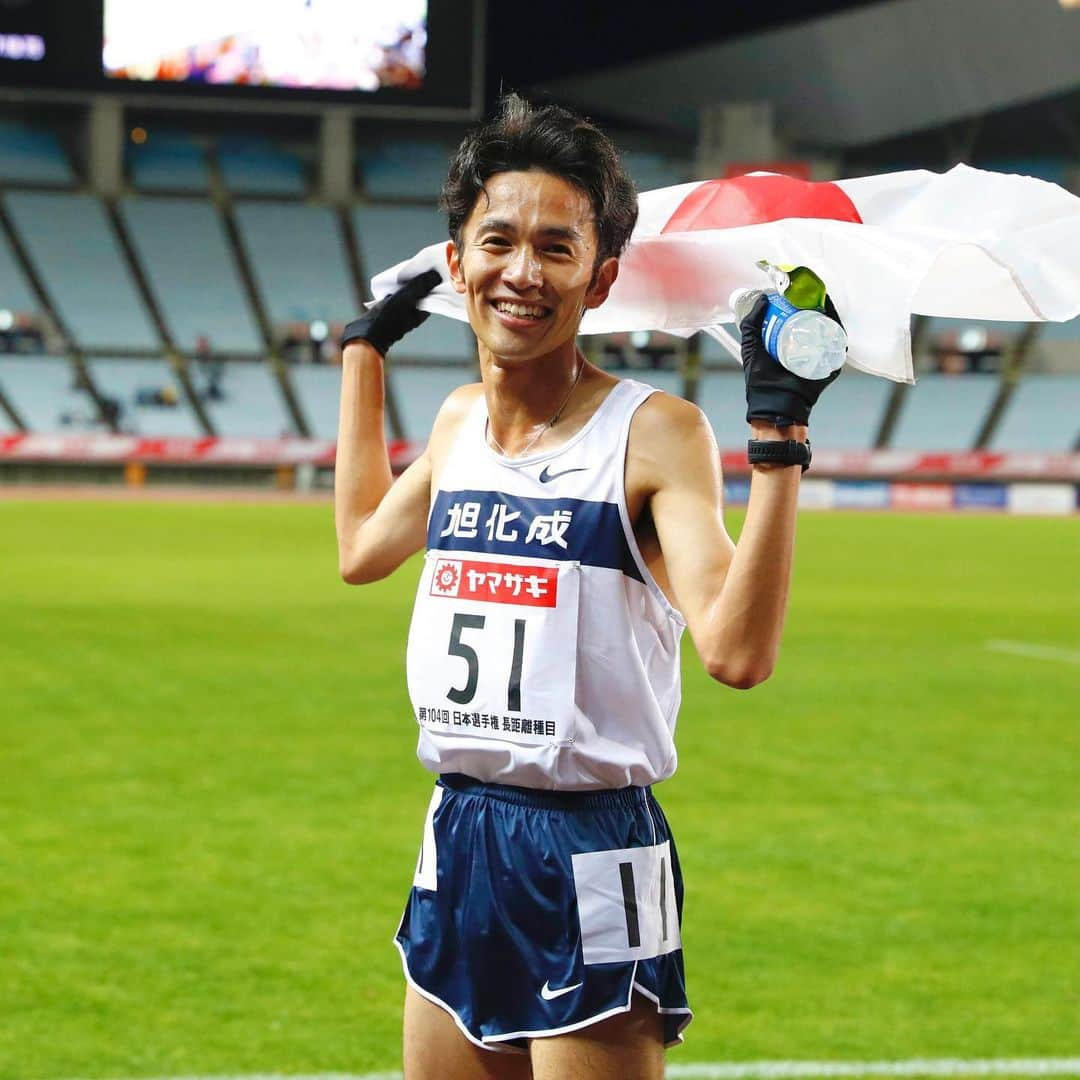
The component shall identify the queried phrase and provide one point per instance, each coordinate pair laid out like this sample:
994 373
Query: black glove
773 393
393 316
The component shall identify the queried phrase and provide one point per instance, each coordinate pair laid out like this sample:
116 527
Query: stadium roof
852 74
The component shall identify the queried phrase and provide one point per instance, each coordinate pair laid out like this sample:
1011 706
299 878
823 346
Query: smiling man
573 528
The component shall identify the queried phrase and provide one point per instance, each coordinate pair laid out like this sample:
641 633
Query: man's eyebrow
564 232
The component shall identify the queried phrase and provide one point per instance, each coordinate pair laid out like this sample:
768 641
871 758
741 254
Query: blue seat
420 391
252 404
944 412
185 254
32 155
404 170
42 389
390 234
168 161
74 250
298 260
1043 414
132 383
259 167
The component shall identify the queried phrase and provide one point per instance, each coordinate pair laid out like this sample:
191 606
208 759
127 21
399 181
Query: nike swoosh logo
550 995
546 475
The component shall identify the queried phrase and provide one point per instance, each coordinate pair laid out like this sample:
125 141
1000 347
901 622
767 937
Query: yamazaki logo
496 582
754 200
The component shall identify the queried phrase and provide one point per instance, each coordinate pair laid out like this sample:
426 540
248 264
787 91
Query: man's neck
523 397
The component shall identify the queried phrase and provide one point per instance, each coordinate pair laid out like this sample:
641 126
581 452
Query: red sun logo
754 200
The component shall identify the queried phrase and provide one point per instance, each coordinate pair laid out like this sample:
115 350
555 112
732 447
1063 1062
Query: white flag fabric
962 244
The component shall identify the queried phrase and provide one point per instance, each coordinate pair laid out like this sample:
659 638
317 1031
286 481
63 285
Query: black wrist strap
778 452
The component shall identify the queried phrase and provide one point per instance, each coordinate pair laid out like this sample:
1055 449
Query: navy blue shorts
534 913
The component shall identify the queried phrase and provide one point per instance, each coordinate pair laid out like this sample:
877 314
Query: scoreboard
377 55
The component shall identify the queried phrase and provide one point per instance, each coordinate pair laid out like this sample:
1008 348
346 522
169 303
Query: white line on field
785 1070
1036 651
779 1070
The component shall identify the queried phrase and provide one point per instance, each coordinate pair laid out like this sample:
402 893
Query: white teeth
520 310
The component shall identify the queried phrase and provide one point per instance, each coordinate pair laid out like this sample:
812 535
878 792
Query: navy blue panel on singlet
565 530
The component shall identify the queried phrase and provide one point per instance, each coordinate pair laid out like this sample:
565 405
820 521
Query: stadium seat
649 171
404 170
1044 414
134 383
299 262
944 412
73 247
15 294
722 397
252 404
32 155
419 391
42 389
259 167
390 234
185 254
168 161
319 390
848 414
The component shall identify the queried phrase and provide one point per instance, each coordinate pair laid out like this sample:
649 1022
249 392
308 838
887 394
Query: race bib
493 648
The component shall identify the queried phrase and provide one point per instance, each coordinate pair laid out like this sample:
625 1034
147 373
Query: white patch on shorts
426 865
626 904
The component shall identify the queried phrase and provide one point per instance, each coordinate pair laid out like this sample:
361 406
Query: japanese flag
963 244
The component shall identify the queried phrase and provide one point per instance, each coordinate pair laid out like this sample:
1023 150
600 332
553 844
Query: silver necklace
547 427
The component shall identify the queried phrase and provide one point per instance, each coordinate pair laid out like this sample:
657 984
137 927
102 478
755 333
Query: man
573 526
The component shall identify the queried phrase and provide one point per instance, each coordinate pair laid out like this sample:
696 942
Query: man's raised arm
734 597
379 523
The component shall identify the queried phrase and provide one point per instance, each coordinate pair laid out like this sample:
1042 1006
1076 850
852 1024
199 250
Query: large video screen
420 56
298 44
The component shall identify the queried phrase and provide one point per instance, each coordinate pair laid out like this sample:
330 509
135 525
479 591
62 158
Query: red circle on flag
754 200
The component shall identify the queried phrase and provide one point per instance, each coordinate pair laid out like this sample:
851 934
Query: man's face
527 264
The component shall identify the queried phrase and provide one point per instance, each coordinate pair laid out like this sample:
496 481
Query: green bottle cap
799 285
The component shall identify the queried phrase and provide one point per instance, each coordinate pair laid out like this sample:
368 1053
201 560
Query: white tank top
541 652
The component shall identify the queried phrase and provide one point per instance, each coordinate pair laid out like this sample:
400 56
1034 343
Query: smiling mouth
520 311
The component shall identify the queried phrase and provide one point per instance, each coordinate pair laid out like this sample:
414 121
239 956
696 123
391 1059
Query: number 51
457 647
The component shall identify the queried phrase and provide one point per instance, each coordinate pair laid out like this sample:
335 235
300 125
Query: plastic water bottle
806 342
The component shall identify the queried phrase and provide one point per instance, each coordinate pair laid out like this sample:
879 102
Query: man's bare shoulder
451 415
669 438
665 423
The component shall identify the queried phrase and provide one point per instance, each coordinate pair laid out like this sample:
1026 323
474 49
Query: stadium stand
721 396
43 390
944 412
1043 414
849 415
404 170
649 171
32 155
15 294
259 167
389 234
419 391
149 395
168 161
298 261
74 249
319 390
251 403
185 255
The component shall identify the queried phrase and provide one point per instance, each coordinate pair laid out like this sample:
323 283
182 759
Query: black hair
521 136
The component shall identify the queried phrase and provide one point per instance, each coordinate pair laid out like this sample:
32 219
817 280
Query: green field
210 806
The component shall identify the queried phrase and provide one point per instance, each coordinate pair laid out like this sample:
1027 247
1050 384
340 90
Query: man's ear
453 263
603 279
